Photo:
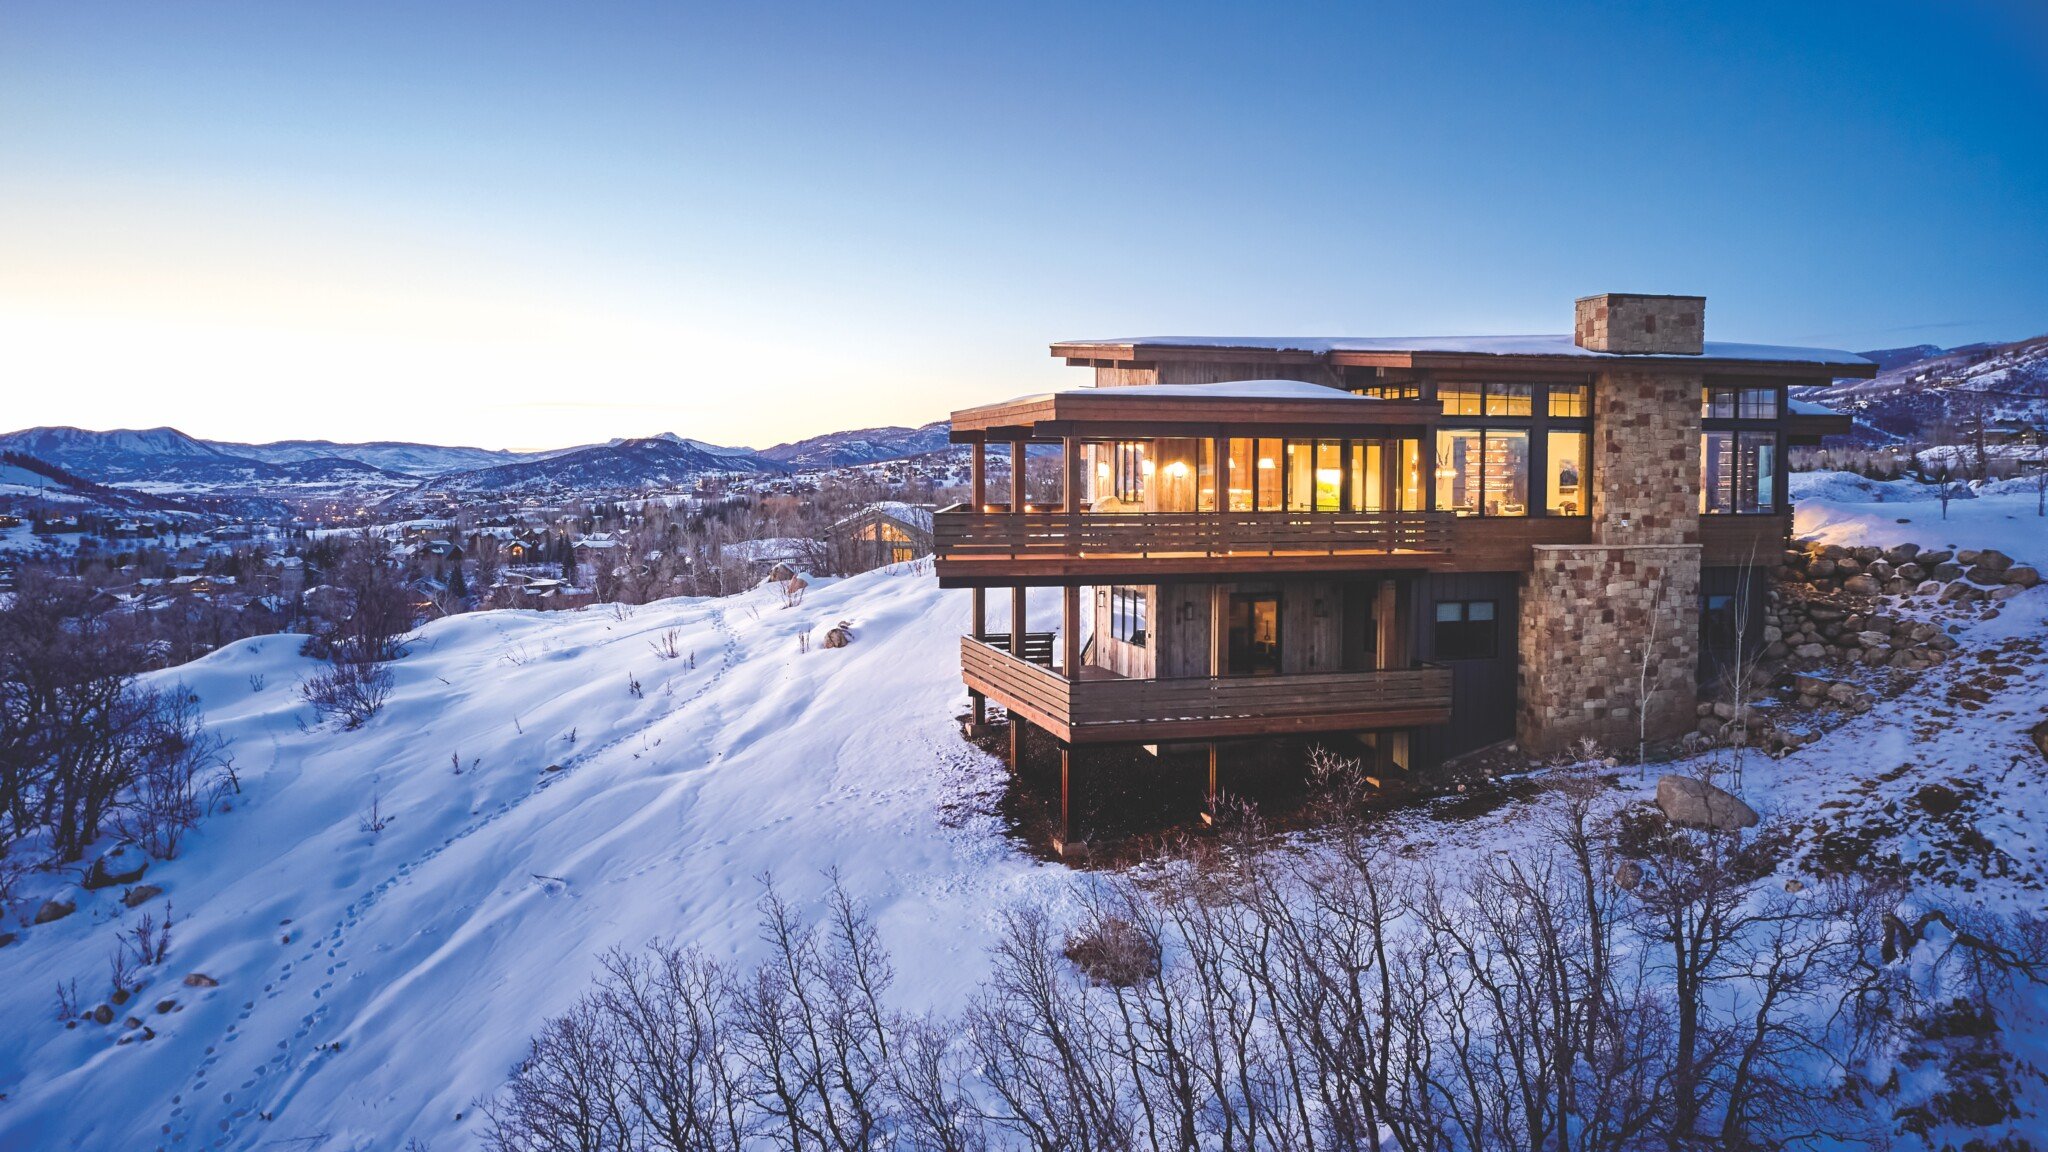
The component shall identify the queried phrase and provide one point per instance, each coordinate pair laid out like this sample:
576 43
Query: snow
1844 508
431 951
1809 408
372 986
1227 390
1541 345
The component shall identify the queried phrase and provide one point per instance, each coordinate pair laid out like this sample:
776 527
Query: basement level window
1466 630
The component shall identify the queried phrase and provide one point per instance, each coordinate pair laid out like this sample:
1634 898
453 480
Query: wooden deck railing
1037 645
1096 711
964 533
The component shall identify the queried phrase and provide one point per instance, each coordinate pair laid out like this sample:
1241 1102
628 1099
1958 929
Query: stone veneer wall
1646 458
1588 614
1589 611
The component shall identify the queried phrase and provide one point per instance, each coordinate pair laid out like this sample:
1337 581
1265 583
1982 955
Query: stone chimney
1632 323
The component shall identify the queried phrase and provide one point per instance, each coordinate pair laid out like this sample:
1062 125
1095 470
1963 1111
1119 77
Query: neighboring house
885 532
1435 544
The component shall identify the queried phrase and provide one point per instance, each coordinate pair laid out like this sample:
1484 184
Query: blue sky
530 225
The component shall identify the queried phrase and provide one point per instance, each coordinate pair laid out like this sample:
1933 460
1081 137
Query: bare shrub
1115 951
349 691
181 770
1330 995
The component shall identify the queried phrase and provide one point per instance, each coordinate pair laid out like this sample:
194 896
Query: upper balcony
993 544
1237 478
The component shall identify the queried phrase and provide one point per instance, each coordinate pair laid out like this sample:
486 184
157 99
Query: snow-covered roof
1540 345
911 514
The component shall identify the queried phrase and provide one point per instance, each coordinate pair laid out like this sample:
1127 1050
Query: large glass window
1185 479
1739 472
1724 403
1408 391
1569 400
1255 475
1459 399
1329 475
1510 399
1466 630
1300 476
1411 479
1567 482
1243 474
1268 471
1482 472
1368 459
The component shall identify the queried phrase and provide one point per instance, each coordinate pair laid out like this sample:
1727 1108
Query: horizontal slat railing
1100 707
962 533
1037 645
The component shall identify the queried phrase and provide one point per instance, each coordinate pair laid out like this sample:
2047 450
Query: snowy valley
366 932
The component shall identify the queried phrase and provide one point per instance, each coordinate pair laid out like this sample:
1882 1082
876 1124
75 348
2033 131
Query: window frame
1495 399
1465 646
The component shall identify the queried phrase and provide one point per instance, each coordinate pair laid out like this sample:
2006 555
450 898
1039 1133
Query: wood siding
1483 692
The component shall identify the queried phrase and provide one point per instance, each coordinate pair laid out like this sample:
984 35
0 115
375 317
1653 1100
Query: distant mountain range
168 462
1917 388
862 446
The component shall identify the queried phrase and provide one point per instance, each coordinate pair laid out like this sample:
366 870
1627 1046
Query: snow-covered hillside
372 985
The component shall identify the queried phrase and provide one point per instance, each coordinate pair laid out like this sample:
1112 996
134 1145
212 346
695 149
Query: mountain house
1431 544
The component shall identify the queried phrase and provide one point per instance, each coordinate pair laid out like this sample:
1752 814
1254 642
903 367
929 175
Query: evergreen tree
457 586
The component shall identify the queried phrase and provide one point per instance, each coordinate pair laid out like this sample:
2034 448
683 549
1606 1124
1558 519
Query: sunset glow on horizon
530 226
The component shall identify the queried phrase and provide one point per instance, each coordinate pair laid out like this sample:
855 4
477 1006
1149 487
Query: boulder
2007 592
104 1014
1946 571
2023 576
1821 569
1863 585
122 864
1698 804
200 980
1938 556
1968 556
1810 651
141 894
838 637
2039 735
1993 559
1911 573
1902 554
55 908
1984 576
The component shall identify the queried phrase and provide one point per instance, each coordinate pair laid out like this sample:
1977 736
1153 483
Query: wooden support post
1019 458
1209 790
1017 621
1016 743
1070 631
980 473
980 631
1064 842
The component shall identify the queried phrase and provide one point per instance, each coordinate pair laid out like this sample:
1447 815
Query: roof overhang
1541 355
1176 411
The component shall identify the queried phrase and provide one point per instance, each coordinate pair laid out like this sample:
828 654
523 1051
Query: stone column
1609 630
